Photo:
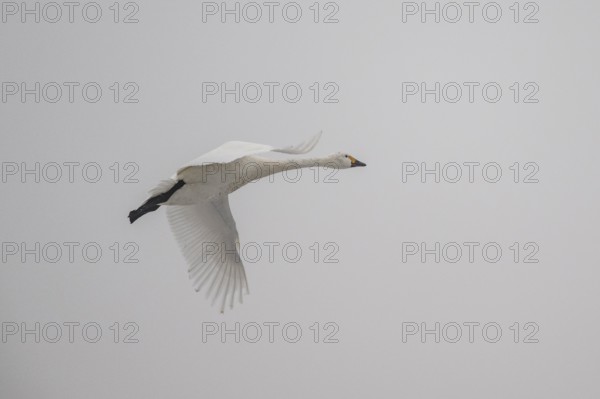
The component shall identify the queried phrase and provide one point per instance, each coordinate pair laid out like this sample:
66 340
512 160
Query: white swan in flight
198 208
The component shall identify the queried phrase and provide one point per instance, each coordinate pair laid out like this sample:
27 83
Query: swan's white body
200 216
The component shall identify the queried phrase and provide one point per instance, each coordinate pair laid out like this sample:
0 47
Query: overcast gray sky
474 223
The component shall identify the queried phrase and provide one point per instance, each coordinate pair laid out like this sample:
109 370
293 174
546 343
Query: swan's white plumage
197 202
208 226
233 150
210 222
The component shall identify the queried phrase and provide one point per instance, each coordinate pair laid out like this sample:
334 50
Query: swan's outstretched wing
208 238
233 150
301 148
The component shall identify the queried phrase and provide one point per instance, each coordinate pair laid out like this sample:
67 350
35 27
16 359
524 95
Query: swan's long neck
268 167
254 168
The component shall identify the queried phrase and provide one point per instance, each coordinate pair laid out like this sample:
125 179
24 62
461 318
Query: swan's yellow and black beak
355 162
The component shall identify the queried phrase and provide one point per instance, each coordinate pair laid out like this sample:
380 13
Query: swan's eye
346 156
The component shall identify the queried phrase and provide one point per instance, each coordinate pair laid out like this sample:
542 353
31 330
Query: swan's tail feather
153 203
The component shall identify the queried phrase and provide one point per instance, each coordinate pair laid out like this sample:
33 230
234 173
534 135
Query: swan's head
343 161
